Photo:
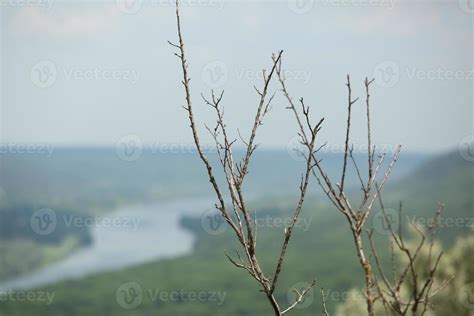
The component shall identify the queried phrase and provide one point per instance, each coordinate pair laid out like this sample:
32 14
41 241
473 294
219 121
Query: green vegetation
454 298
96 180
20 256
324 252
23 249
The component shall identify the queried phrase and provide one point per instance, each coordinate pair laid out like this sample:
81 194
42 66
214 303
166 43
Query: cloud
66 22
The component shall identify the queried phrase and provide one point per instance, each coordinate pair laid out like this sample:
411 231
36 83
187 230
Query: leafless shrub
238 215
243 222
388 292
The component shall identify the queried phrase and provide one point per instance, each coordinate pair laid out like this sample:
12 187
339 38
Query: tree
243 221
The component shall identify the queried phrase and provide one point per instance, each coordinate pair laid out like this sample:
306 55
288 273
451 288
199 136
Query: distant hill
323 251
448 179
93 180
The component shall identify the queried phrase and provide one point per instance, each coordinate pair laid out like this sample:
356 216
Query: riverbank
128 236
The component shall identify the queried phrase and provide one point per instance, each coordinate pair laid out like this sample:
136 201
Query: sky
96 72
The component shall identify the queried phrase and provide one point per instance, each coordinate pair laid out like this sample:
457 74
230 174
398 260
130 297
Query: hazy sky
93 72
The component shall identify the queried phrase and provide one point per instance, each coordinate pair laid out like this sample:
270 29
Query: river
152 232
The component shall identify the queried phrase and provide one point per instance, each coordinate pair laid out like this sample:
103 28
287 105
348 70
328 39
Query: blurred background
105 207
